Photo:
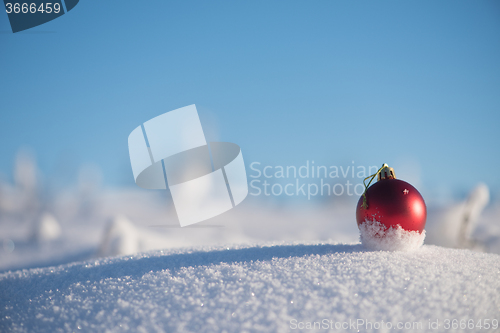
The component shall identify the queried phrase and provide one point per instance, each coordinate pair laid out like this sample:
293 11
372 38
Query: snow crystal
375 236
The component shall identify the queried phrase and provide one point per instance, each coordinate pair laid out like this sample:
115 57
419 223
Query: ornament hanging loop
385 172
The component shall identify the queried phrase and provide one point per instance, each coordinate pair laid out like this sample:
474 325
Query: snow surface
254 288
375 236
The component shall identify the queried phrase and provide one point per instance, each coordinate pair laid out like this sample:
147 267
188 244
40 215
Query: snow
91 259
46 229
120 237
457 223
375 236
267 288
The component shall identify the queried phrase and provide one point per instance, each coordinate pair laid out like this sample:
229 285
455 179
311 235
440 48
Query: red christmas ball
393 202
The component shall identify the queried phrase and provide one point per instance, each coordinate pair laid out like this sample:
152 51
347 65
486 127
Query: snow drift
256 288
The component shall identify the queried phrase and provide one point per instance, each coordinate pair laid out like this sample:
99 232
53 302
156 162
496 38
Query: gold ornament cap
386 173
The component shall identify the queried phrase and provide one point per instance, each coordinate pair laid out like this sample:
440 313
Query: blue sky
415 84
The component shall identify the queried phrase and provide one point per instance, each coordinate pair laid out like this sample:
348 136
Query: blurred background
412 84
